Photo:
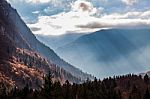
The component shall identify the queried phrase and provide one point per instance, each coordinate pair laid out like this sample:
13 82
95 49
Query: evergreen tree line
109 88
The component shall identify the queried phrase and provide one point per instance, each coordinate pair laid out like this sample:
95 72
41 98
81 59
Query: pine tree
135 93
57 90
147 94
14 91
47 89
8 51
130 97
66 90
146 79
3 94
24 92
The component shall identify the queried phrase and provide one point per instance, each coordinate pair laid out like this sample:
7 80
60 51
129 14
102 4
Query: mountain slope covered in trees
28 36
23 59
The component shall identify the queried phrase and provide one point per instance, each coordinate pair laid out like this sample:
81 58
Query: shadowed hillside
23 59
108 52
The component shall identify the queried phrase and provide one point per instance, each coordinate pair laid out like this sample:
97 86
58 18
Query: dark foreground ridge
119 87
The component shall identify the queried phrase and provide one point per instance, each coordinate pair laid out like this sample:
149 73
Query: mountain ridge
55 41
44 50
21 63
109 52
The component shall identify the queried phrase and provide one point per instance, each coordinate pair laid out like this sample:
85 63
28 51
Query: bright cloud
31 1
38 1
81 19
65 22
55 17
61 23
130 2
75 22
128 15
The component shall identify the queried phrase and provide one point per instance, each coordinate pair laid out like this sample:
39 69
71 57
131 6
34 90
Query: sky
56 17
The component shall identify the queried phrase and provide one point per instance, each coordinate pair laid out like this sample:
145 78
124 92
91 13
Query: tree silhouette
146 79
47 87
147 94
109 88
3 93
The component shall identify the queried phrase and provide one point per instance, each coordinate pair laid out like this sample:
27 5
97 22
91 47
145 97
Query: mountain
56 41
110 52
44 50
25 60
144 73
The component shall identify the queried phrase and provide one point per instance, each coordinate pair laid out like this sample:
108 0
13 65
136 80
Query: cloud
60 24
82 23
65 22
38 1
118 23
30 1
118 20
83 18
129 2
83 7
35 29
36 12
145 14
128 15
